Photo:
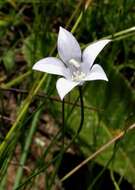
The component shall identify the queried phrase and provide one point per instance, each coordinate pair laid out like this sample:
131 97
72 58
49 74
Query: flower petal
96 73
90 53
51 65
64 86
68 47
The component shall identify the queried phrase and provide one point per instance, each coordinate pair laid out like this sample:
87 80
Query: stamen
75 69
78 76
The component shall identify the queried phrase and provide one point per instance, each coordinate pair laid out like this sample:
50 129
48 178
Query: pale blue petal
51 65
64 86
91 52
96 73
68 47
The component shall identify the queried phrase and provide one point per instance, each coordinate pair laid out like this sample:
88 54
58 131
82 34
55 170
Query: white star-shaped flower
74 66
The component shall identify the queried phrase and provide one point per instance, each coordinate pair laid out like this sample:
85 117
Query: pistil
75 69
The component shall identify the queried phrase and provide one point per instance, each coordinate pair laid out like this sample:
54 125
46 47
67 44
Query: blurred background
30 109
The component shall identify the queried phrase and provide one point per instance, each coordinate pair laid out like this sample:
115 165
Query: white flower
74 66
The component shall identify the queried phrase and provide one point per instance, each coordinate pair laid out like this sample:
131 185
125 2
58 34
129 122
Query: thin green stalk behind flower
92 156
17 80
26 149
118 35
22 112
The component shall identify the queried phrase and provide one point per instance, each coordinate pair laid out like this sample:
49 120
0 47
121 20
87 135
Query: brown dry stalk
99 151
43 95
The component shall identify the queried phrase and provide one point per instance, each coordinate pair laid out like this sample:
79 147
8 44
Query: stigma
75 63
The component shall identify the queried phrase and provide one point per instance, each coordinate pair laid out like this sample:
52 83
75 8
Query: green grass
30 108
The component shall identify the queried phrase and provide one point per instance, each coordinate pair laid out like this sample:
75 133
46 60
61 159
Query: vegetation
35 151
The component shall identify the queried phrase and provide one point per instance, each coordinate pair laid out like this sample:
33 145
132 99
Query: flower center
75 69
78 76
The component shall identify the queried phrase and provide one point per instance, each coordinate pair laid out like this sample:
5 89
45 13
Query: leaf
31 49
117 100
9 60
35 48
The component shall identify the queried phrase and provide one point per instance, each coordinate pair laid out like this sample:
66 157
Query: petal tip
106 41
61 29
64 86
61 95
106 79
34 66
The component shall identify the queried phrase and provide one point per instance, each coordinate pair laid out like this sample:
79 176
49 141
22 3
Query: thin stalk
26 149
26 105
122 33
69 22
3 182
82 110
77 22
81 116
114 181
16 80
115 149
72 109
52 98
63 122
53 141
60 155
22 112
116 36
95 154
74 13
63 131
99 151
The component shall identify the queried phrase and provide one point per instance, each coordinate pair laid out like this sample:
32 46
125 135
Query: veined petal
90 53
68 47
96 73
51 65
64 86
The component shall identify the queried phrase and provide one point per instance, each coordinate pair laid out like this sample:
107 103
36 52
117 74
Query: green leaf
9 60
117 100
36 47
31 49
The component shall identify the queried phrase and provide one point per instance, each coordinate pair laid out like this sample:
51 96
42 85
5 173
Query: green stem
22 112
114 181
99 151
63 121
116 36
77 22
16 80
63 125
82 110
26 150
60 155
82 117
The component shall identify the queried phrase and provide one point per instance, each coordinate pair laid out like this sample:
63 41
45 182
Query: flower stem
63 122
81 122
60 154
64 149
82 110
